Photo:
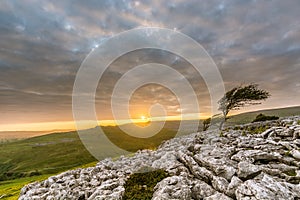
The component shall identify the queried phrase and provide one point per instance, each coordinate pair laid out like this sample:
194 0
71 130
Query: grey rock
201 166
247 170
266 188
217 196
235 182
295 153
201 190
220 184
174 187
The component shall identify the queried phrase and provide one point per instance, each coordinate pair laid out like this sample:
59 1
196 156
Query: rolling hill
42 156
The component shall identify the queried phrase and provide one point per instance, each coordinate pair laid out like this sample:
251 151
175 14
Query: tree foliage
241 96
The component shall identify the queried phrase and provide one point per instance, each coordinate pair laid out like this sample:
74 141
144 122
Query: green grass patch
257 130
141 185
10 190
244 118
46 154
290 173
24 161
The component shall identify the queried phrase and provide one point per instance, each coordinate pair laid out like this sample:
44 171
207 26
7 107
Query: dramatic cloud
43 43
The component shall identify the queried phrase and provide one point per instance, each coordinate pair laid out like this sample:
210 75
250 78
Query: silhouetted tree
239 97
206 124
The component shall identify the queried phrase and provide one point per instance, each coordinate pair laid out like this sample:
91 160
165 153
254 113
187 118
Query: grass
244 118
141 185
42 155
10 190
258 130
56 152
37 158
291 173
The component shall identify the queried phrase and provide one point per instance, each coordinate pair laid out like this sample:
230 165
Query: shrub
141 185
259 129
221 134
35 173
261 117
206 124
290 173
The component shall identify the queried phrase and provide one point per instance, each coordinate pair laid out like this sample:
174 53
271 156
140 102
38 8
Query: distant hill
55 152
16 135
249 116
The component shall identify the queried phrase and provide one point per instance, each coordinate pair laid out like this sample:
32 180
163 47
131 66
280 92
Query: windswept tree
241 96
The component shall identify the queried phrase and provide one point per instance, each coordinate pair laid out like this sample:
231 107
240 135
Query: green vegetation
288 153
251 129
132 144
57 152
37 158
257 130
10 190
206 124
261 117
221 134
244 118
46 154
141 185
291 173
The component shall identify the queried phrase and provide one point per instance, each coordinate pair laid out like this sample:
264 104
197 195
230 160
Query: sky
43 43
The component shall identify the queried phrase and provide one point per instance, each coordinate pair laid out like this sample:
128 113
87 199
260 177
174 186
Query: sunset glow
43 46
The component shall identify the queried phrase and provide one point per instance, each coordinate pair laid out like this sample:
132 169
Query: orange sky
43 46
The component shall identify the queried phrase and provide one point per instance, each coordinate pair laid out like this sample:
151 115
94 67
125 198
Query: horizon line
71 124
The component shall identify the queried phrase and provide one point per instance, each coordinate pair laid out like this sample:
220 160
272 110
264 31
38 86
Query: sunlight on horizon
70 125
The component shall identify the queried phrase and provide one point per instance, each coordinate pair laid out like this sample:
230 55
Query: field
249 116
37 158
42 155
10 190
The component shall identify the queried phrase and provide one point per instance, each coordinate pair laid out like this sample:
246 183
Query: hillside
247 117
50 154
42 155
56 152
253 161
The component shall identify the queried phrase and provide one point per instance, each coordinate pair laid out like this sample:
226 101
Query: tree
206 124
241 96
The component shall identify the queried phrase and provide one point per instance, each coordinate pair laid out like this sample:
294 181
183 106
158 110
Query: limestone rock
174 187
266 188
201 166
247 170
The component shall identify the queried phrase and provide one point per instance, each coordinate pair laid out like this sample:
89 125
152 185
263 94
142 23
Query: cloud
42 44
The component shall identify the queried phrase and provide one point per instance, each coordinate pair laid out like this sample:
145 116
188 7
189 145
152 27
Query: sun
143 117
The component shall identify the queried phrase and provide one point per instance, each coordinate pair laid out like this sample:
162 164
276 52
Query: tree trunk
225 113
222 124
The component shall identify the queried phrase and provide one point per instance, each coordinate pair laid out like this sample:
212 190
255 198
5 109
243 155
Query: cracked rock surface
201 166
